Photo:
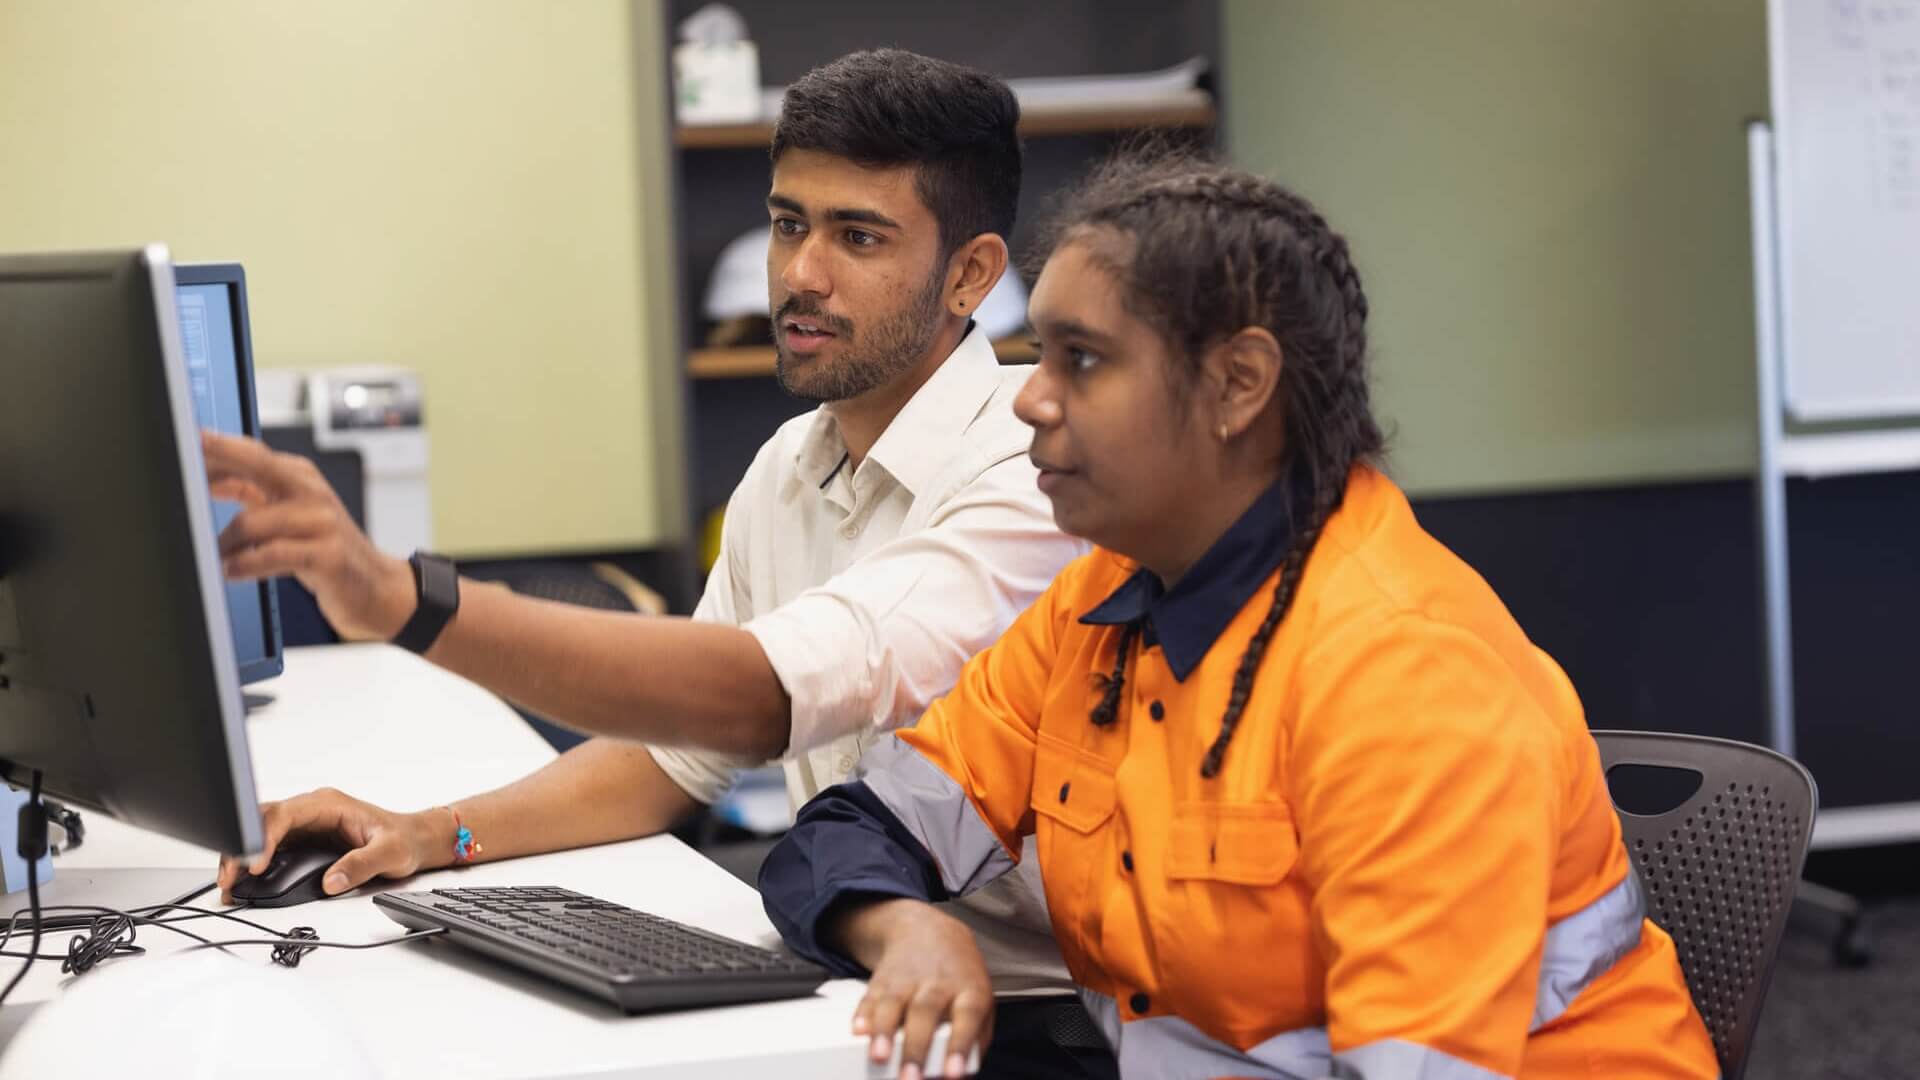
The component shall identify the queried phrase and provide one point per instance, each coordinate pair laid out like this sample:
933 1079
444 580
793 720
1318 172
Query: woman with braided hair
1307 801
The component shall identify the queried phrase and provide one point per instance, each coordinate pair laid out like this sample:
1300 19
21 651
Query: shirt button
1157 711
1140 1003
849 530
846 763
1126 859
1063 790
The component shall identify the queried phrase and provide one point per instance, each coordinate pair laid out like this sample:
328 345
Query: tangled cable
108 935
289 954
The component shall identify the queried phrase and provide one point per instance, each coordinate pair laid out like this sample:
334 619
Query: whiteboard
1845 78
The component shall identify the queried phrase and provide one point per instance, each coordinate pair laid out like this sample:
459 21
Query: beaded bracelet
465 847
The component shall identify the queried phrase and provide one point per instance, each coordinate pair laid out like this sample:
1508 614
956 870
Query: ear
973 271
1243 377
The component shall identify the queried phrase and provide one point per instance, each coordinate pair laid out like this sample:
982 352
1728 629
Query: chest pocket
1239 843
1071 786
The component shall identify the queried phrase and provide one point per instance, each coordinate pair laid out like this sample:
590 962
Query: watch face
439 582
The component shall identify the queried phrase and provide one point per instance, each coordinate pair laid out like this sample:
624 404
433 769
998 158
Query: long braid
1108 708
1214 250
1326 501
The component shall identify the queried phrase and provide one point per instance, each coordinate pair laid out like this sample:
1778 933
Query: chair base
1821 909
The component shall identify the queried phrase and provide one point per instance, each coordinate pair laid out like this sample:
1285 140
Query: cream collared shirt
870 587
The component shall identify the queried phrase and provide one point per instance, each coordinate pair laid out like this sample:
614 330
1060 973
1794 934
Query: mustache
798 307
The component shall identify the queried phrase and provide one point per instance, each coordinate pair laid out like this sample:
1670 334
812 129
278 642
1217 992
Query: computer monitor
118 677
218 347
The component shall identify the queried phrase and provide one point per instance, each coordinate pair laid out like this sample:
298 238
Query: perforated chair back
1719 868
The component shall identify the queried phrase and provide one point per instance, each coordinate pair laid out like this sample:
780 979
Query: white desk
383 725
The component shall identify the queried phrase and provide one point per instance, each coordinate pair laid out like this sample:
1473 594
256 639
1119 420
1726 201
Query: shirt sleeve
871 648
937 811
703 774
1425 783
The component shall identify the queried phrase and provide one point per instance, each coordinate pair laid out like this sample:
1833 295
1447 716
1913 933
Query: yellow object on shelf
710 538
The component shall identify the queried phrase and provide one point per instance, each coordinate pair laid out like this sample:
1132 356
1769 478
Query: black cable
139 917
289 955
299 946
32 842
112 933
104 939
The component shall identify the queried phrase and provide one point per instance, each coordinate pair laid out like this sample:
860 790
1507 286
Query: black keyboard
635 960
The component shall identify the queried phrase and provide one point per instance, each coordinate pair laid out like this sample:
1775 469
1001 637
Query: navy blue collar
1186 620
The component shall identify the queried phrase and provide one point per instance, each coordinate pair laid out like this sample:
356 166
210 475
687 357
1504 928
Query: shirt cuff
702 775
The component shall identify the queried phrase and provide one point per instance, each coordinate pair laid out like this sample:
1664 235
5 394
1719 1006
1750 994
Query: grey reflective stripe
1583 946
1392 1059
1169 1048
938 813
1577 950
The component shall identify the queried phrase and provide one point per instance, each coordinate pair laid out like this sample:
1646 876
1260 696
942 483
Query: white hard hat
739 287
201 1014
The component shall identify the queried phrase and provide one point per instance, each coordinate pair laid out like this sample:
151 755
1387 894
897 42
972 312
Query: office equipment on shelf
635 960
216 340
1175 89
119 680
375 413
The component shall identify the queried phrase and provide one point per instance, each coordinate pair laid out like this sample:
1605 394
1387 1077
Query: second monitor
217 345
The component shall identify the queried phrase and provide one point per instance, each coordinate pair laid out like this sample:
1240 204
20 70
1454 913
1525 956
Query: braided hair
1212 250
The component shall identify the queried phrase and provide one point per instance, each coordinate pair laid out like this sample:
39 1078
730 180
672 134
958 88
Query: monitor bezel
234 277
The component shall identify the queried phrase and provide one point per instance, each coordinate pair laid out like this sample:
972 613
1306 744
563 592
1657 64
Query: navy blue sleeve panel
845 844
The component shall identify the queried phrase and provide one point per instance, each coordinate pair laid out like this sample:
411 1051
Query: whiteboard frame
1783 455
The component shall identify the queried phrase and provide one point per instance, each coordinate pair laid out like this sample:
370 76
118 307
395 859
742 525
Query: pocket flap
1238 843
1071 786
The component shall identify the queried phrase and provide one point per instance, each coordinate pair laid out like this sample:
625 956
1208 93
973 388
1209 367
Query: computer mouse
292 877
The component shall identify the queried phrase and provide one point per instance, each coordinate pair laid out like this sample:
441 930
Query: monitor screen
212 302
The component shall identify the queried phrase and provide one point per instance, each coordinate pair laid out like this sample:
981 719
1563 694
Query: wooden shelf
756 361
1185 112
746 362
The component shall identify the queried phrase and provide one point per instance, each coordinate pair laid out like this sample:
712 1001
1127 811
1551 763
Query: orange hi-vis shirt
1407 865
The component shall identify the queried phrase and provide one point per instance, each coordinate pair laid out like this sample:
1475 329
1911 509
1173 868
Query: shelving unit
753 361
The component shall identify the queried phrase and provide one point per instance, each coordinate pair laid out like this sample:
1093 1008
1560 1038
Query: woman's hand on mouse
376 842
926 970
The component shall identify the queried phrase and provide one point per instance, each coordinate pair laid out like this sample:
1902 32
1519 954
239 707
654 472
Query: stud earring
1223 433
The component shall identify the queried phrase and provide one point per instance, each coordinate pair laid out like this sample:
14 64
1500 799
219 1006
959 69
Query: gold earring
1223 433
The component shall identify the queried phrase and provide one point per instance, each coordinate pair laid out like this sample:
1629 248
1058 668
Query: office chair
1719 867
599 585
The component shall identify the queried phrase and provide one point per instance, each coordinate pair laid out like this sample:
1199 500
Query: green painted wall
1548 202
469 189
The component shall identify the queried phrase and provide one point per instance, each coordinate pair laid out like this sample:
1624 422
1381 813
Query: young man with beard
873 546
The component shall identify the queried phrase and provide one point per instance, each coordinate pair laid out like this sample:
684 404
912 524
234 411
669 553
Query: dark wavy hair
887 107
1207 251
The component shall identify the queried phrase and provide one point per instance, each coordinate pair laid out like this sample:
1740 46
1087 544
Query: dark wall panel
1649 598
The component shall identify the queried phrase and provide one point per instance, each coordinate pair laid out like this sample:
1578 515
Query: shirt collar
917 444
1186 620
917 441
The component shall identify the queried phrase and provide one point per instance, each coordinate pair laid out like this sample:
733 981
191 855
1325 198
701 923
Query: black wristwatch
437 585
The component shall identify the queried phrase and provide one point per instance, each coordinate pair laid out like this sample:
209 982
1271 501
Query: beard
867 358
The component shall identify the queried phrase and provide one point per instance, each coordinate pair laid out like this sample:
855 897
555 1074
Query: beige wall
1548 201
445 184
